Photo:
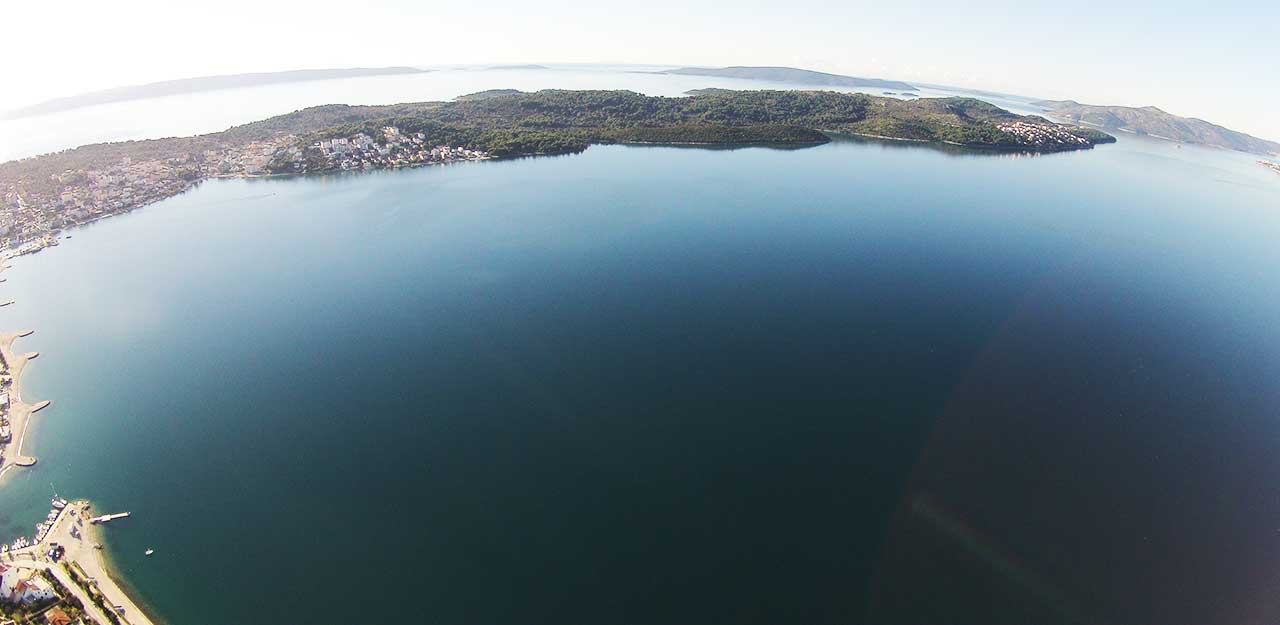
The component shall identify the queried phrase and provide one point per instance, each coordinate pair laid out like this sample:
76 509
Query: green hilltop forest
555 121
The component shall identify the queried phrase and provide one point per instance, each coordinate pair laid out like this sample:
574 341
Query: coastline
84 549
82 541
20 412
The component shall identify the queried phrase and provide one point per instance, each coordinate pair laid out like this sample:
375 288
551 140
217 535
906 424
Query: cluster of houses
31 219
362 151
23 584
1270 165
23 223
1042 134
251 159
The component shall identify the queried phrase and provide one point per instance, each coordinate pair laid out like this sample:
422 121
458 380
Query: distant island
40 196
194 85
791 75
1151 121
517 67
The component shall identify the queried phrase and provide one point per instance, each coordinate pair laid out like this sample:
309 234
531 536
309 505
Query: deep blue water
858 383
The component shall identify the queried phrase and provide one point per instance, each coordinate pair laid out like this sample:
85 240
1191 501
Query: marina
67 548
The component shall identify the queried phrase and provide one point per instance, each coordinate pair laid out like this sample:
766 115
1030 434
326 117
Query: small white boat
149 552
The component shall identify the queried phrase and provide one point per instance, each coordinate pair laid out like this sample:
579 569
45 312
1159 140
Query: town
1041 134
362 151
32 217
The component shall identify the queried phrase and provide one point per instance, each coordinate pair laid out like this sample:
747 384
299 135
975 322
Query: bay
861 382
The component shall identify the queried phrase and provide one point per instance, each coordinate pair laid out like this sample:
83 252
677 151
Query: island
195 85
42 195
791 75
1151 121
519 67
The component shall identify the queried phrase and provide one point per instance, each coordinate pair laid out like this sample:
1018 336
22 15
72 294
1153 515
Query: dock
98 520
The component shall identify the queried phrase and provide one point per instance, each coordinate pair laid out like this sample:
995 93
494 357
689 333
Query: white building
22 584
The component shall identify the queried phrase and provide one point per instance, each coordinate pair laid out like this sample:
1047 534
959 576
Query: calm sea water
857 383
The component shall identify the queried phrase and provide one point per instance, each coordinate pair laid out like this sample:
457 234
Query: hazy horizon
1195 61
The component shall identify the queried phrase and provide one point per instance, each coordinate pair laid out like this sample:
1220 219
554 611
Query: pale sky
1216 60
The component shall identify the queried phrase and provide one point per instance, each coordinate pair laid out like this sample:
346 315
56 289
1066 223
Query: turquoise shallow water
861 382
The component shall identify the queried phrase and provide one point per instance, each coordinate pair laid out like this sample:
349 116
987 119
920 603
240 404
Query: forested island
41 195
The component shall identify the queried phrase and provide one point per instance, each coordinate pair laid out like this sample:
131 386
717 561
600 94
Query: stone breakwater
15 413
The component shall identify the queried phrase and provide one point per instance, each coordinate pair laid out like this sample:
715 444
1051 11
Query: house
55 616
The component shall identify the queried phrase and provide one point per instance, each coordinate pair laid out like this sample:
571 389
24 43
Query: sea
862 382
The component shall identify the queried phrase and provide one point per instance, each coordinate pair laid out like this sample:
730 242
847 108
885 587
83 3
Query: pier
98 520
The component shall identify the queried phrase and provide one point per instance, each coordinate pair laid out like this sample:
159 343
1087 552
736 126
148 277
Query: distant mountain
1149 120
193 85
791 75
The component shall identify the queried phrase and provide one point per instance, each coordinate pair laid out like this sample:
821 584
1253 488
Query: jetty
15 410
98 520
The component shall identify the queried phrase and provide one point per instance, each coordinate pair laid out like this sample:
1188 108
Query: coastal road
90 607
